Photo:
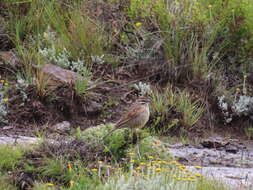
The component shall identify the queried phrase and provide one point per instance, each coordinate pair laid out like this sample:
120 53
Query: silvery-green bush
3 105
244 106
241 107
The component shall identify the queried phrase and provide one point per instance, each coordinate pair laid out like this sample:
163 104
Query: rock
7 127
62 127
93 108
18 140
58 76
9 57
231 148
176 145
214 142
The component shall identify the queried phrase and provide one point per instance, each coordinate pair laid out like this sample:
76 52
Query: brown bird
136 117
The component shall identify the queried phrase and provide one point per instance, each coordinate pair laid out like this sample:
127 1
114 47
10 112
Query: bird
135 118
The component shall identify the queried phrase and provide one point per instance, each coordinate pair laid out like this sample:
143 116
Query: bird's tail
110 132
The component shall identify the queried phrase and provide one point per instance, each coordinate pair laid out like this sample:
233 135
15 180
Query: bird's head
143 100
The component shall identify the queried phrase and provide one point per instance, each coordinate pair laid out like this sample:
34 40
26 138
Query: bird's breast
142 119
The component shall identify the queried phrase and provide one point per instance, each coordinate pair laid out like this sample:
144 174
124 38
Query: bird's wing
133 112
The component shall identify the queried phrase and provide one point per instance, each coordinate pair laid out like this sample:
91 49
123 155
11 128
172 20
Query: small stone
214 142
94 108
8 57
7 127
176 145
62 127
231 149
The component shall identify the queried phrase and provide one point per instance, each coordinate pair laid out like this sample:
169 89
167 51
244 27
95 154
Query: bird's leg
132 135
137 141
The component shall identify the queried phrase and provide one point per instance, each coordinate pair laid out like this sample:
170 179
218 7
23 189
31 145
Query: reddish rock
58 76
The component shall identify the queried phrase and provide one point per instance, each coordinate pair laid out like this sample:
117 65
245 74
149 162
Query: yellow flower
71 183
94 169
6 99
131 161
100 162
138 24
6 84
192 177
210 6
142 163
138 168
173 162
189 179
151 157
158 169
181 166
49 184
69 167
2 81
107 166
130 153
238 89
198 167
198 175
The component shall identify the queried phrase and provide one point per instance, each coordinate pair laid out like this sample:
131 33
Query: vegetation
188 111
149 172
10 157
193 58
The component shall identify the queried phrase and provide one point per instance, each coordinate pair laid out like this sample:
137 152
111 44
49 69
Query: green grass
155 169
196 35
10 157
163 104
191 110
68 36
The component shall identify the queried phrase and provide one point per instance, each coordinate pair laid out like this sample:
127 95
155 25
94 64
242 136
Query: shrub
170 108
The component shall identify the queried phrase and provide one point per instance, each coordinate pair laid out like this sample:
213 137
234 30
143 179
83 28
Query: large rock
214 142
62 127
8 57
57 76
18 140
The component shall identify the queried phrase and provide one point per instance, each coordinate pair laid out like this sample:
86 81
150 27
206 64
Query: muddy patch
229 161
216 152
233 178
